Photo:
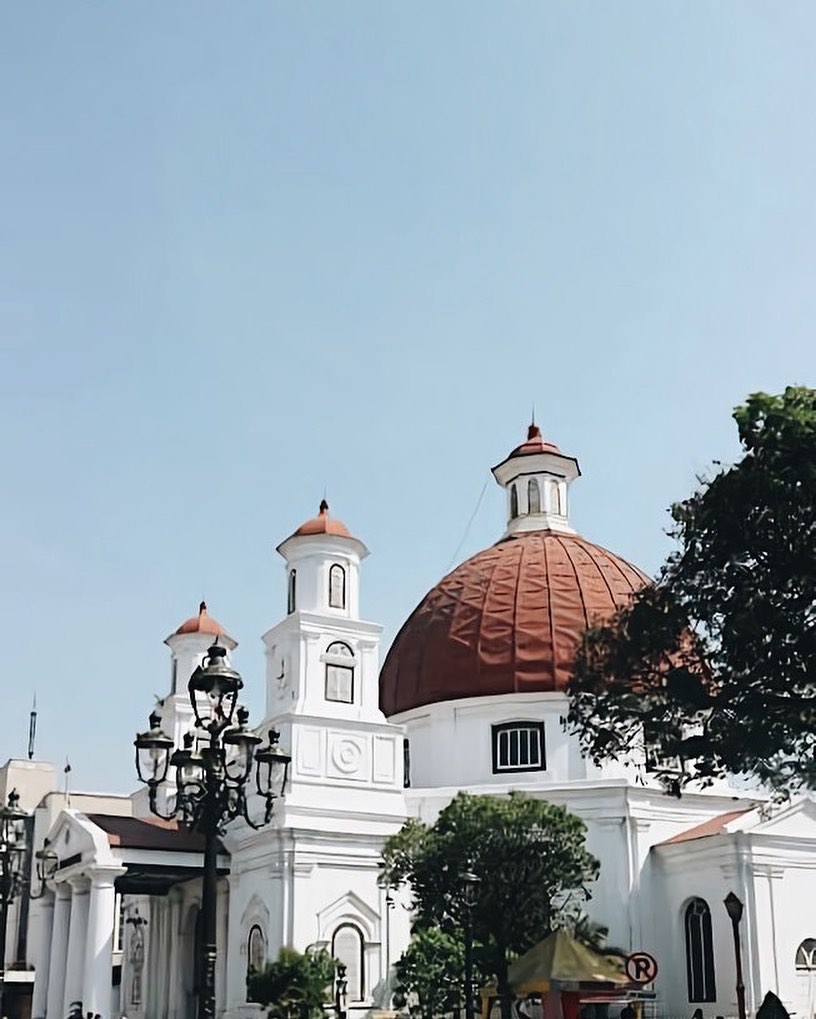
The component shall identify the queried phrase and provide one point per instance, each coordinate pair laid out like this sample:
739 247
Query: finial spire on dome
324 506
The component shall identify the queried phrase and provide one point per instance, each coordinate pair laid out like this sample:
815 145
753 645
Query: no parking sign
641 968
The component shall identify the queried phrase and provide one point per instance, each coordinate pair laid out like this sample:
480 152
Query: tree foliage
296 986
431 968
714 665
527 854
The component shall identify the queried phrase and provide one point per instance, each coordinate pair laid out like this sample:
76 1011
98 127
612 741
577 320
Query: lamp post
733 906
212 770
340 987
470 890
12 859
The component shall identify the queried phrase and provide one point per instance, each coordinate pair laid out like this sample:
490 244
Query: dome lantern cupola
536 476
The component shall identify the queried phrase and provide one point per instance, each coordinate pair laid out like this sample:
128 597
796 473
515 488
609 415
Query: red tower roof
505 621
534 443
323 524
202 623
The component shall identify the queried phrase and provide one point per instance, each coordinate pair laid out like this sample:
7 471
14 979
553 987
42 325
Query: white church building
469 697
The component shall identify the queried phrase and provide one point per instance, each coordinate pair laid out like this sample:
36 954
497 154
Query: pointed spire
324 506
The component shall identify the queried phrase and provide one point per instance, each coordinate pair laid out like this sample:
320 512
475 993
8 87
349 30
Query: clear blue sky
249 251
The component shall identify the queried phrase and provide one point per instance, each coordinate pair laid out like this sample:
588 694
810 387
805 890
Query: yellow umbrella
561 959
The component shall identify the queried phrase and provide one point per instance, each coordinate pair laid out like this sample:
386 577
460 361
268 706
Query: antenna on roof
32 727
532 415
67 772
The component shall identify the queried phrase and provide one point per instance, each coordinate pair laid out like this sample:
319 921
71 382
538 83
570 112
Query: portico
98 858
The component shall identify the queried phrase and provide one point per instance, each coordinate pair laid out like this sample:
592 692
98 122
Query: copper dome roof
505 621
202 623
322 524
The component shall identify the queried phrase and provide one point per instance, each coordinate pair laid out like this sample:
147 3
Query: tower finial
324 506
202 607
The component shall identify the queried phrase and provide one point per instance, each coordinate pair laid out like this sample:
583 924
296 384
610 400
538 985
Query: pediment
349 908
73 837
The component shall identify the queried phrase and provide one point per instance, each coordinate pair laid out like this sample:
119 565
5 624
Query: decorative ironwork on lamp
212 769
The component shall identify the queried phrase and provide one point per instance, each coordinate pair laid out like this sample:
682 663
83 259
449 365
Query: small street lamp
470 891
733 906
340 988
212 770
13 846
47 863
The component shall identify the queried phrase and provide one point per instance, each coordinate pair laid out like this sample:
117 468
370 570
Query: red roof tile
715 826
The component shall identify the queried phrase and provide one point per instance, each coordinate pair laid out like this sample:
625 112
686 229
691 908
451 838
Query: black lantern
242 744
214 689
13 847
273 767
153 749
208 785
47 864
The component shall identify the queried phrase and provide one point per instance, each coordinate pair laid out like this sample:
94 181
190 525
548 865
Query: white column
222 940
96 981
75 961
43 966
174 988
55 981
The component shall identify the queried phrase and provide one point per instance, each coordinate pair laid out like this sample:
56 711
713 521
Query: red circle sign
641 967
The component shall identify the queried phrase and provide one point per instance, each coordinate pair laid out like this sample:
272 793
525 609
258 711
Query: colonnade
76 949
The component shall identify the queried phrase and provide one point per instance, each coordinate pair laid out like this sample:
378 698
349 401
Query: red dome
505 621
323 524
202 623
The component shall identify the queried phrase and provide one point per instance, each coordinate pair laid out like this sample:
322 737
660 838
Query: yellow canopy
561 959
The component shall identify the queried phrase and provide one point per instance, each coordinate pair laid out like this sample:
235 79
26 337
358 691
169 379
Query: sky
256 252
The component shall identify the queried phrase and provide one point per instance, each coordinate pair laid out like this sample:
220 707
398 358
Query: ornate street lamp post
13 848
340 988
470 887
211 774
733 906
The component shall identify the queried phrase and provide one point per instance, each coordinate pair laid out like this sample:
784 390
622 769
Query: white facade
310 877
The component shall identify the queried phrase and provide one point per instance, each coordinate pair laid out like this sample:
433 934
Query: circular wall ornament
347 755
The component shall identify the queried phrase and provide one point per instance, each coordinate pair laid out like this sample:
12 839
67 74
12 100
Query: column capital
104 875
62 890
80 883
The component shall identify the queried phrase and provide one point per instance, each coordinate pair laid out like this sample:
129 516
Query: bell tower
322 685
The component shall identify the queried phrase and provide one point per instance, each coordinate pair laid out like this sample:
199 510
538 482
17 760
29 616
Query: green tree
296 986
712 669
527 854
432 968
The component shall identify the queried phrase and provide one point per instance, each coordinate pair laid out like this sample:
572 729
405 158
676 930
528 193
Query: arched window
533 496
806 956
337 587
290 600
348 947
699 952
555 499
339 659
513 502
256 950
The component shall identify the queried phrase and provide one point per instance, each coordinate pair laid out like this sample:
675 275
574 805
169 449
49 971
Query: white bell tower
322 671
